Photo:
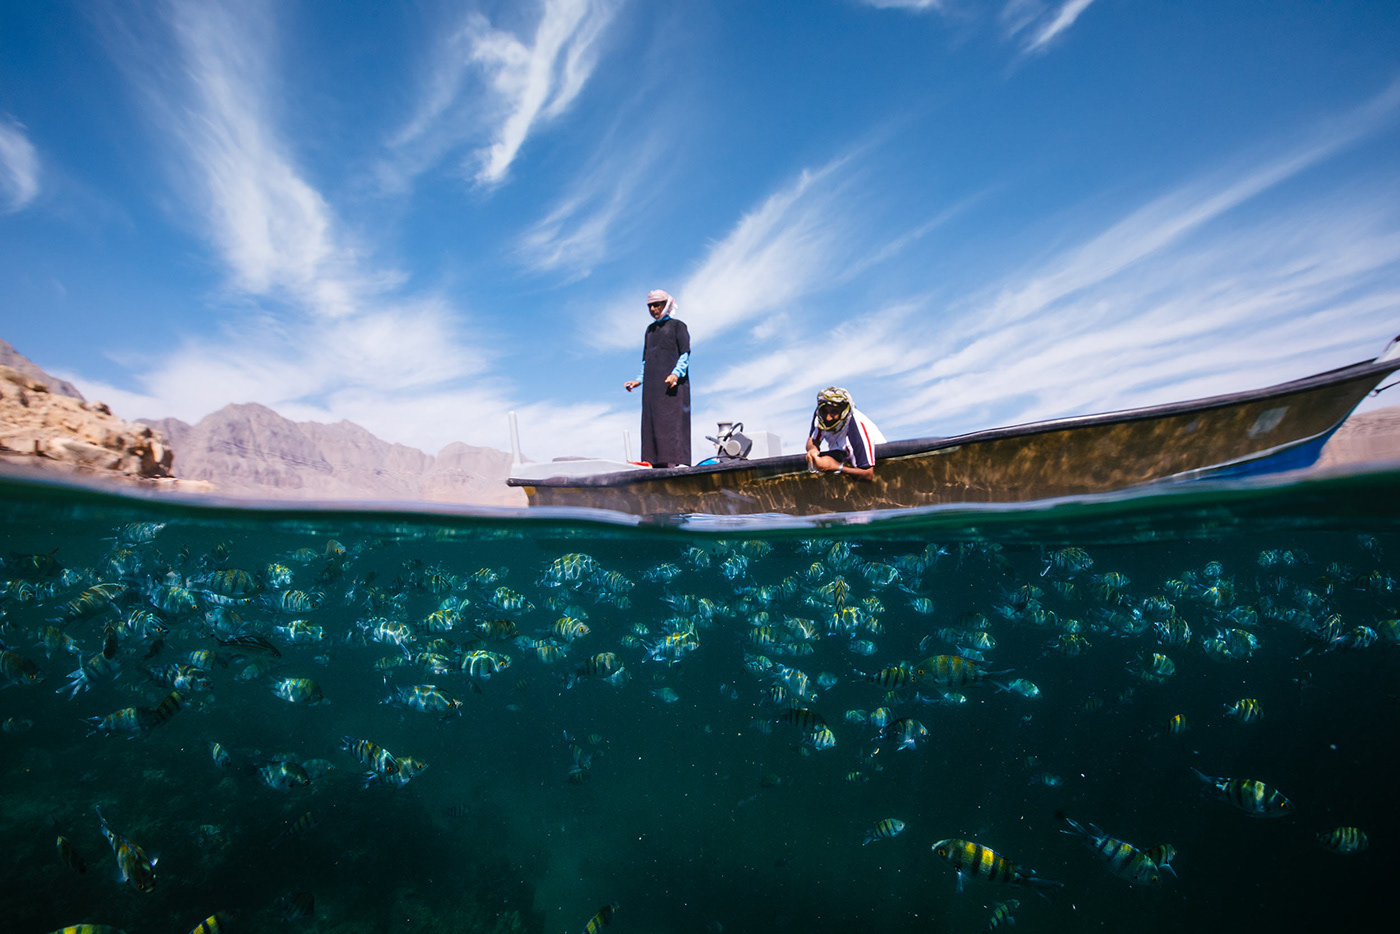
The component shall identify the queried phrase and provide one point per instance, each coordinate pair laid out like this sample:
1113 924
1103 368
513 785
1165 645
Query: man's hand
630 385
672 380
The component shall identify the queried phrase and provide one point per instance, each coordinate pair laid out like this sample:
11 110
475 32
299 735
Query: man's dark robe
665 409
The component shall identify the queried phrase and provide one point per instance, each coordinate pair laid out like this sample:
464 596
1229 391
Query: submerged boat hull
1278 428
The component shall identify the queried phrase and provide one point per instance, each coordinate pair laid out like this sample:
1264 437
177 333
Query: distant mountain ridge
250 450
240 450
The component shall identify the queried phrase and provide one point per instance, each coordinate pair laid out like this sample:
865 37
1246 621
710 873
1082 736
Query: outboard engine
732 444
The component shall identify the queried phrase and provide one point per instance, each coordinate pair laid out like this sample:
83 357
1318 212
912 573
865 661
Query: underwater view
1168 710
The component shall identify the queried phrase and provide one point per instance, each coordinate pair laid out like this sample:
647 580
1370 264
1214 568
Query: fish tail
1078 828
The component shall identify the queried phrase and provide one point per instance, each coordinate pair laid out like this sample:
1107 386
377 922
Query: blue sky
420 216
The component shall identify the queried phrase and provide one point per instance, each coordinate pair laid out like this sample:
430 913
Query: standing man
850 437
665 385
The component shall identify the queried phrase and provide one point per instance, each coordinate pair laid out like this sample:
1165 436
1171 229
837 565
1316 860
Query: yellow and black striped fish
884 830
1246 710
1344 840
295 829
892 678
602 665
1123 859
371 754
1162 854
975 861
1253 797
1002 913
809 721
152 717
134 865
217 923
89 929
600 920
950 671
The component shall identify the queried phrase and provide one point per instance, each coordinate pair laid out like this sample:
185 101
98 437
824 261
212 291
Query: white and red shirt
857 438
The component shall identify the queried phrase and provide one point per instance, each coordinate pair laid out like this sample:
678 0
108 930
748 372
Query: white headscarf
661 295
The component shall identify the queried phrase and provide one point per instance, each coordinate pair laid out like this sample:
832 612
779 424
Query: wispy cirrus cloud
610 194
523 84
814 233
19 167
917 5
313 325
215 114
1037 23
1186 295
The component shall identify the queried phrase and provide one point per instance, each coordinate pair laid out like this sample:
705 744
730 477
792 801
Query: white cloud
527 83
1037 24
19 167
803 238
1054 24
314 327
916 5
1175 299
608 195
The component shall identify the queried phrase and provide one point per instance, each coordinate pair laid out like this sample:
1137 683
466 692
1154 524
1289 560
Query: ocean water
692 787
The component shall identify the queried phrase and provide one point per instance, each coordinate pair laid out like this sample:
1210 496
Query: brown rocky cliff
43 429
13 358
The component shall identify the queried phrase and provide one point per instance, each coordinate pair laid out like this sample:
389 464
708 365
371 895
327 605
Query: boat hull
1278 428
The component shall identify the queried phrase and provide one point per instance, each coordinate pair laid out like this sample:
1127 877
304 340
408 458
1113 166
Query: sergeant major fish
132 861
886 829
1122 858
974 861
1253 797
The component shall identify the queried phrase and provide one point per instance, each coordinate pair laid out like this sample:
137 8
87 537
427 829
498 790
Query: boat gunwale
913 447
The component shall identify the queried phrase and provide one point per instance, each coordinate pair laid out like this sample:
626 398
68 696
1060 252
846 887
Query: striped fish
1344 840
152 717
371 754
600 920
893 678
216 923
975 861
950 671
1246 710
1253 797
295 829
132 861
1162 854
1003 913
1122 858
884 830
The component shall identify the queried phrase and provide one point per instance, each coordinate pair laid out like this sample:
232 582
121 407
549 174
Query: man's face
656 308
829 413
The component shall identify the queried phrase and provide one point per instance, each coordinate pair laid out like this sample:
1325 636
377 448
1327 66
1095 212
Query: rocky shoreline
45 430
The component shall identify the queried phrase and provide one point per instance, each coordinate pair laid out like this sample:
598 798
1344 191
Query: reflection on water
505 722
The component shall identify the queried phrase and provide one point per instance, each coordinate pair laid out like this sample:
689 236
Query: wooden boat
1278 428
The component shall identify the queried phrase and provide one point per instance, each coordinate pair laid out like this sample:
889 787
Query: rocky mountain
43 430
15 360
250 450
240 450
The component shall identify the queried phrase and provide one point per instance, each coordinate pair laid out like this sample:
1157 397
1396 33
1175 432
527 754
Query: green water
693 803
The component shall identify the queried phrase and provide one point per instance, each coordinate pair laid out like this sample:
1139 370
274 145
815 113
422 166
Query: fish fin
960 881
